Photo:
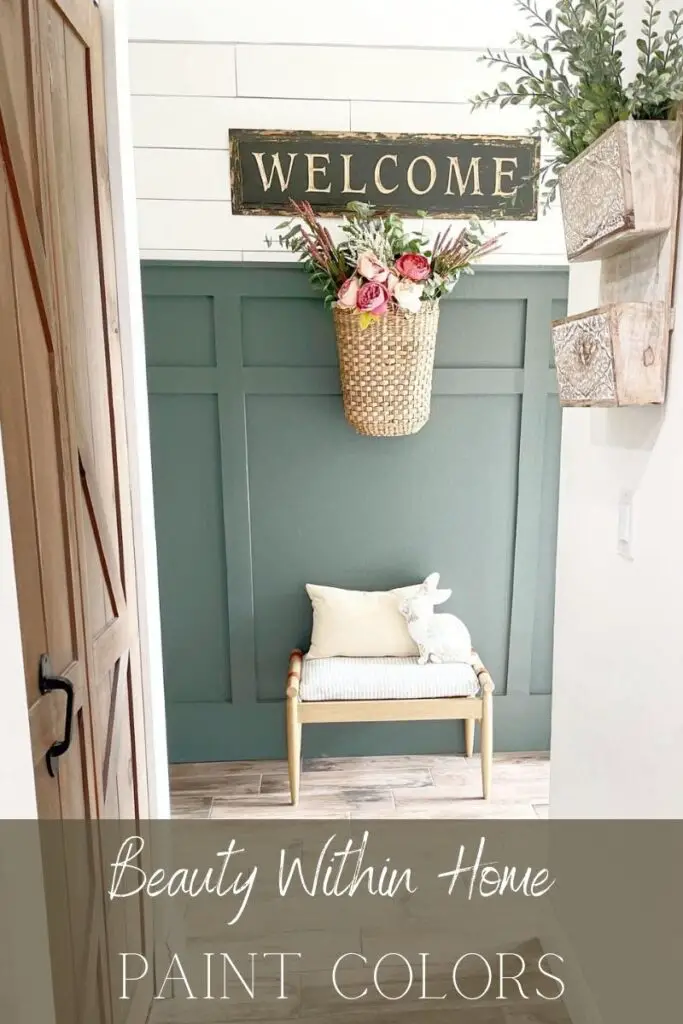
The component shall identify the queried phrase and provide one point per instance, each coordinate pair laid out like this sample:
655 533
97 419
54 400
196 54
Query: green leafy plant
380 265
386 236
571 70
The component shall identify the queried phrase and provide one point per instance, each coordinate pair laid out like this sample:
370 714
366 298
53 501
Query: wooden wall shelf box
621 190
620 206
613 355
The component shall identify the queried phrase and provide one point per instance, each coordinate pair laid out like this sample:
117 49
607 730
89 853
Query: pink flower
373 297
414 266
371 268
348 293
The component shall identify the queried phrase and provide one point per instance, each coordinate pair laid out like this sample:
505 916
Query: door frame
114 15
14 728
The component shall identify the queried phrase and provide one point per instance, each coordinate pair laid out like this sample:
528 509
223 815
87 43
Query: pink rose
371 268
414 266
348 293
373 297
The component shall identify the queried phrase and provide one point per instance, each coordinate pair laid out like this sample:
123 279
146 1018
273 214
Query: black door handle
48 683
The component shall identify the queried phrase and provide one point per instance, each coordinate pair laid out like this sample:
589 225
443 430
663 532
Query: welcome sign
449 176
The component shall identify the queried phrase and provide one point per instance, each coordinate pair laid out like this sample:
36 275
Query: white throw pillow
359 623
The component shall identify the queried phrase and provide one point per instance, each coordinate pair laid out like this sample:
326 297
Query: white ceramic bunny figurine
439 638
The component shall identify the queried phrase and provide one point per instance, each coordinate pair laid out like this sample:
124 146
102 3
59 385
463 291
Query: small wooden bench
474 707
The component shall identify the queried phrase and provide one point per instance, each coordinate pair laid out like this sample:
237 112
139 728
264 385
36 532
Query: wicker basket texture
386 369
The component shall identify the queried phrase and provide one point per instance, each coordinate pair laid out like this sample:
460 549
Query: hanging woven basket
386 369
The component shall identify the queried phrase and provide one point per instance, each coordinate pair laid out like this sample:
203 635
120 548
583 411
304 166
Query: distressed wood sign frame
444 176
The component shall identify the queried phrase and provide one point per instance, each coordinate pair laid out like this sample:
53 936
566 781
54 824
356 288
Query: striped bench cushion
384 679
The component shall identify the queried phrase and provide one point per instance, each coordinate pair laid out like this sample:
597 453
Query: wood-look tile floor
420 786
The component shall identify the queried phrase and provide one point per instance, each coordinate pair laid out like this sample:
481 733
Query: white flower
408 294
392 281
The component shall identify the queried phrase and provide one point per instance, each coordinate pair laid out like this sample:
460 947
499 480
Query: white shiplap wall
200 67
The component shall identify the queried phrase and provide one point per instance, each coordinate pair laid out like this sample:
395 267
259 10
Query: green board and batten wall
261 486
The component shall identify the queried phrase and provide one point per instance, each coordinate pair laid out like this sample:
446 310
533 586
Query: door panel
61 408
39 480
15 25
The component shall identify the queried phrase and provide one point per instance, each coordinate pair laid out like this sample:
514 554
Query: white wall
617 726
201 67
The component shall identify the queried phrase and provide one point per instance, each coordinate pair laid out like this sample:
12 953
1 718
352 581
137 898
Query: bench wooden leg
294 728
486 739
469 737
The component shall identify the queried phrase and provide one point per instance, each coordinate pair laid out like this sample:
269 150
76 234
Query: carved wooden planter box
620 207
613 355
621 190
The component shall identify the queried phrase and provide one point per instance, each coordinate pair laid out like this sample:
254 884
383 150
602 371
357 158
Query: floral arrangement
379 266
570 68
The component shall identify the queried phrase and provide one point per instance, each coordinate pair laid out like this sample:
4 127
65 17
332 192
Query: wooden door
62 420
